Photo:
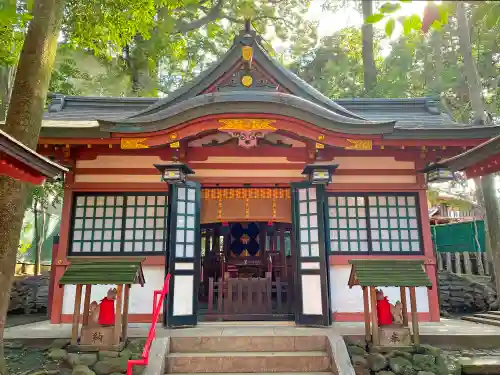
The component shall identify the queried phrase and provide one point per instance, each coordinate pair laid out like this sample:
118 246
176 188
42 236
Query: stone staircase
250 354
491 318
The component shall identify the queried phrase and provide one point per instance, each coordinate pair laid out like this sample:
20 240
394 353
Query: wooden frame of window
111 224
374 223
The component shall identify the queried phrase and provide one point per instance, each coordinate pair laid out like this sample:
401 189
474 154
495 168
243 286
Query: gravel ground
31 359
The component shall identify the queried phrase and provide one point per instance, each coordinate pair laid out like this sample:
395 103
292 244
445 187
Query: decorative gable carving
234 82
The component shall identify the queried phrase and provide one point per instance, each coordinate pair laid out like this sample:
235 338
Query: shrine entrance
246 255
247 271
240 254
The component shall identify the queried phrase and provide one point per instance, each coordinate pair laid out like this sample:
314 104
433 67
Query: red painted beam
10 169
490 165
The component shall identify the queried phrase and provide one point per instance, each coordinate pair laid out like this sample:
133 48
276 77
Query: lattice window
118 223
347 222
185 232
374 223
308 222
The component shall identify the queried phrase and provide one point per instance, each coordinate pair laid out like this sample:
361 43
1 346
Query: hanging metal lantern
320 173
174 172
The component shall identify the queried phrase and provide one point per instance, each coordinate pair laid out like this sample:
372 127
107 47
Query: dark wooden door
183 254
312 302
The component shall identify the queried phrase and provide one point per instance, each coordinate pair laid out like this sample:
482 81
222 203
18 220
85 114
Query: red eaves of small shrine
23 164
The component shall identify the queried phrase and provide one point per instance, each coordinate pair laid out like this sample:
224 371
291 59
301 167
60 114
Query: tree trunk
490 198
470 68
24 120
436 42
482 212
369 67
142 75
493 222
36 236
6 78
40 230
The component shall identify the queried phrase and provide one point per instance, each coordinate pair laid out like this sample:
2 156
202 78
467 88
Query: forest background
396 49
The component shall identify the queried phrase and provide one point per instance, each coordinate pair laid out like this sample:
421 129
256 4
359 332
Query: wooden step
480 365
476 319
213 344
248 362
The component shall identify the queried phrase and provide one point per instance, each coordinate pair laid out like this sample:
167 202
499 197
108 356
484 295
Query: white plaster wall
347 300
141 298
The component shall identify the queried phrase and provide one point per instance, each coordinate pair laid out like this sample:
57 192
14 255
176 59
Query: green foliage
106 27
335 66
389 27
160 44
412 23
14 16
417 64
50 193
78 72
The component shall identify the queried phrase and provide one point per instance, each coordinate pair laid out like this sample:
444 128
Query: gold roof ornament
247 125
133 143
247 80
247 53
359 144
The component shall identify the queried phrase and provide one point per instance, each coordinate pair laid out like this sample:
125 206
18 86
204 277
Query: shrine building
249 235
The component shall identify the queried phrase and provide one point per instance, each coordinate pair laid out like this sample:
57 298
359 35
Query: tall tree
24 120
488 182
470 69
370 69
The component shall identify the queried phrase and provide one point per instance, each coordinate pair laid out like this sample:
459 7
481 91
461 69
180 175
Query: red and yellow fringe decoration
245 193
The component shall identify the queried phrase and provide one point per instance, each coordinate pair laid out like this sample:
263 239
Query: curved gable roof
259 102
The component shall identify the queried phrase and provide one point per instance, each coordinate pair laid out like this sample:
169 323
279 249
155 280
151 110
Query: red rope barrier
152 330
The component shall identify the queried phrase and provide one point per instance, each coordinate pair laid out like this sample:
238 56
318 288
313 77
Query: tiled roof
408 113
378 273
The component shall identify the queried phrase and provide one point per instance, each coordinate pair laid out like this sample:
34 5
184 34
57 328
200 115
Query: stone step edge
492 312
476 319
487 316
259 373
248 354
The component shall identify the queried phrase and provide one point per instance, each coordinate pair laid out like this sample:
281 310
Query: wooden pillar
458 263
213 237
480 264
284 267
366 309
216 239
467 263
414 318
126 299
206 242
76 314
118 314
373 299
449 267
402 291
440 262
86 304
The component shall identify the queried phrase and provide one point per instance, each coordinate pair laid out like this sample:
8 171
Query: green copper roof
103 272
375 272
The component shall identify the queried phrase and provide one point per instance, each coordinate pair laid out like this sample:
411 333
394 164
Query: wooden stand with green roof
121 273
372 273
